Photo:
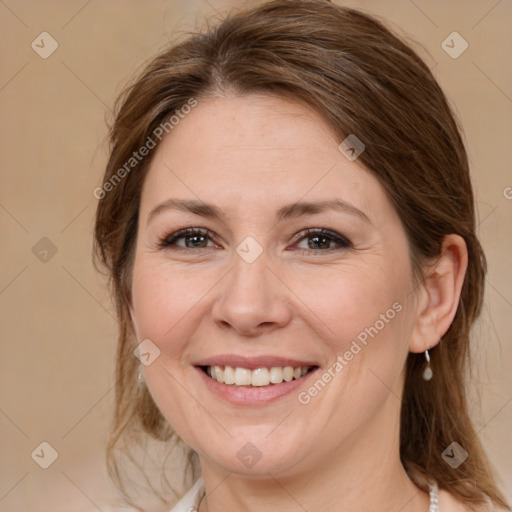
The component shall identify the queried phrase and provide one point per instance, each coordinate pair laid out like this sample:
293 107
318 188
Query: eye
321 240
195 238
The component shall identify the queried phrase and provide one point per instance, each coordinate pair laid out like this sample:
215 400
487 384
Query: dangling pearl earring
427 372
140 376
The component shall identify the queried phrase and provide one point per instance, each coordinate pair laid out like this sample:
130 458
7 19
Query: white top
190 502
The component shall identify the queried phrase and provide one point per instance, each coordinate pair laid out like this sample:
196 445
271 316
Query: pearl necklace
433 493
434 497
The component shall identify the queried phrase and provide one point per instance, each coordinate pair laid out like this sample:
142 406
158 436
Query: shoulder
449 503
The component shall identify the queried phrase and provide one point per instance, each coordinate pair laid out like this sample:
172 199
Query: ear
438 295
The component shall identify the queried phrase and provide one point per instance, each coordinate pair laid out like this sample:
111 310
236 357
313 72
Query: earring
140 376
427 372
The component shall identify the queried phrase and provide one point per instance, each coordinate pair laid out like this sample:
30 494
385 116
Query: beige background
58 333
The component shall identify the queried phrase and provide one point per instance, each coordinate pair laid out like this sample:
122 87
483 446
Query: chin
253 452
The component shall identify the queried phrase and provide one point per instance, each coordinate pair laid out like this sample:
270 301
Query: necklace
433 493
434 497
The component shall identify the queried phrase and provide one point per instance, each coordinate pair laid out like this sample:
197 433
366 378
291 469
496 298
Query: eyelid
169 240
341 240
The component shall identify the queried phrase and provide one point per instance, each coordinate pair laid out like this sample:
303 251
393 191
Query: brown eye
195 238
321 240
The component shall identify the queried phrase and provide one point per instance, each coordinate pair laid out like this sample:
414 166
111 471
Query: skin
249 156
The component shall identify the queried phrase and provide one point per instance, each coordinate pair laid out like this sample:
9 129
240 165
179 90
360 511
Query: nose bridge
249 277
251 295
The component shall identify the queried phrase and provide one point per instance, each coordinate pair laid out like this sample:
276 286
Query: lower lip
253 395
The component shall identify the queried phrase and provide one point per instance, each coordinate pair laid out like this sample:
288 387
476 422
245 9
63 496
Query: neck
315 493
362 473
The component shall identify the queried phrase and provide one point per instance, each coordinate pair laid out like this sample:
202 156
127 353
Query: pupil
194 237
323 238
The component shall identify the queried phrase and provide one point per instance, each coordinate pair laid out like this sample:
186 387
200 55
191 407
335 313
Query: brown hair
363 80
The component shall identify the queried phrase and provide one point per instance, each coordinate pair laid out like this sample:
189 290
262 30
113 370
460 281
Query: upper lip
251 362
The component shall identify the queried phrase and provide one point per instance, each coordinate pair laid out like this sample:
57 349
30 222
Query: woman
288 222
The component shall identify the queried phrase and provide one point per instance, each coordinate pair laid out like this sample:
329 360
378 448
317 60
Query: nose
252 299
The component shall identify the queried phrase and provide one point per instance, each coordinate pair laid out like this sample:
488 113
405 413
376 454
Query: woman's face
253 291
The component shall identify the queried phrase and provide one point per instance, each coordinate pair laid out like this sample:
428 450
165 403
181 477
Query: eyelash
169 241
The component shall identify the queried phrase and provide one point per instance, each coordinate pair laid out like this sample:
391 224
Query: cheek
362 316
352 301
166 304
167 310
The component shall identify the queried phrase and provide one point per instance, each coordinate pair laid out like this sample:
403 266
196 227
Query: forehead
276 132
259 151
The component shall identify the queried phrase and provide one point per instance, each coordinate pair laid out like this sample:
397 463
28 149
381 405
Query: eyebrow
286 212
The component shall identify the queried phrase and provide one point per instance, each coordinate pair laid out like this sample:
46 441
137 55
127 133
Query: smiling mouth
258 377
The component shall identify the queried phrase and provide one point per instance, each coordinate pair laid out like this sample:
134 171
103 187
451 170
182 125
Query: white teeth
229 375
288 373
258 377
243 377
276 375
